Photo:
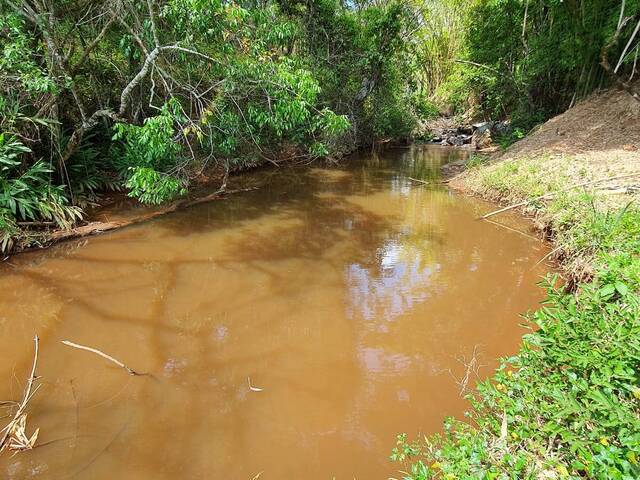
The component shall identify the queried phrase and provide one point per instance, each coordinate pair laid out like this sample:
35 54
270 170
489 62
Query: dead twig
552 252
470 369
251 387
424 182
419 181
14 434
511 229
103 355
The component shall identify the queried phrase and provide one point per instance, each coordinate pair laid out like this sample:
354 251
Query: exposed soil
601 134
592 147
605 125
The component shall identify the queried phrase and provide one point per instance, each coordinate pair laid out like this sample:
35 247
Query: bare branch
154 25
626 48
89 48
604 61
103 355
142 73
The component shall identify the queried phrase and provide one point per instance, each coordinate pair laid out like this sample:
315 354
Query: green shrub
152 187
426 109
27 194
146 155
151 144
91 173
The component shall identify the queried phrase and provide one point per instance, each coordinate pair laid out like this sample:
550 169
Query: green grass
568 404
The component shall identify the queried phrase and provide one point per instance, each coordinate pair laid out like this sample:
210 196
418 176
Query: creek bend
348 295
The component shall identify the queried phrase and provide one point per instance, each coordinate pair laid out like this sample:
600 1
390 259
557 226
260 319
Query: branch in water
103 355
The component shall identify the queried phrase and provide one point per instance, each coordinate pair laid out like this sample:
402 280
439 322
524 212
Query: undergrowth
27 195
568 404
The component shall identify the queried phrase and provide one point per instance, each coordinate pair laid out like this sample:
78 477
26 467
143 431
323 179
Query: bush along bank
156 97
568 404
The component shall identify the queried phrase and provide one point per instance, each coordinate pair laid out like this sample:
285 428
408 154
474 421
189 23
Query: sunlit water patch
290 332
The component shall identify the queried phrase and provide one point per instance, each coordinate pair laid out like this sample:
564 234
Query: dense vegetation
145 96
524 59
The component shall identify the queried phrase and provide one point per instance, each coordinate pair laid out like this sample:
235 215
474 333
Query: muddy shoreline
119 211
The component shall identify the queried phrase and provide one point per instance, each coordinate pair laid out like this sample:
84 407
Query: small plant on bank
476 160
507 139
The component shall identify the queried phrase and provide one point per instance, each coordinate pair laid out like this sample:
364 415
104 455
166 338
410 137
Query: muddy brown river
289 332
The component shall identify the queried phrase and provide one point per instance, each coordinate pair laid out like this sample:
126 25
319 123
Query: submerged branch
103 355
100 227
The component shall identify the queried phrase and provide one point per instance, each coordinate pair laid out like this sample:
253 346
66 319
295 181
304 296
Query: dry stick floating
418 180
252 388
28 393
511 229
551 194
103 355
424 182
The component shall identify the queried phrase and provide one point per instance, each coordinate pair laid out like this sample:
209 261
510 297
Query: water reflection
392 291
346 294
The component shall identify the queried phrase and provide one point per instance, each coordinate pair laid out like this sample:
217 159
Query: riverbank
568 404
114 210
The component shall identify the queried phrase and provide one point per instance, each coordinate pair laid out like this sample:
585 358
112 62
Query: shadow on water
347 294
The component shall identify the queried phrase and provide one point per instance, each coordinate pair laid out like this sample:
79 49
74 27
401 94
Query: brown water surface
349 295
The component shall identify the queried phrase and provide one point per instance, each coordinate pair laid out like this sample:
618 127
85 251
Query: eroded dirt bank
591 150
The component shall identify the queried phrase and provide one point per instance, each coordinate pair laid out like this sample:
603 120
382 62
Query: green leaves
153 97
146 153
527 60
152 144
11 150
17 57
610 289
152 187
27 195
